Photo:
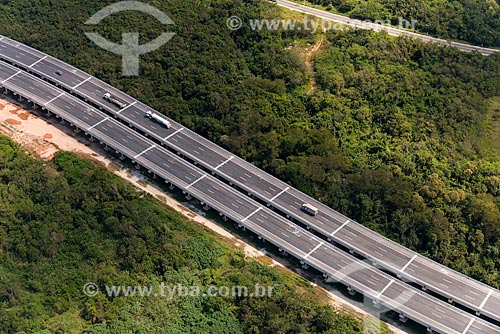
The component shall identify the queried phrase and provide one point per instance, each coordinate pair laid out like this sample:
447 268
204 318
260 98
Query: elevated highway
151 154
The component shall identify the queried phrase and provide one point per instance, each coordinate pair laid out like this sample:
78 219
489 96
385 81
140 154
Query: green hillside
69 222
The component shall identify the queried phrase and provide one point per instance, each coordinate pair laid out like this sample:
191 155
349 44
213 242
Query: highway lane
8 72
76 108
378 27
47 93
328 222
242 209
182 172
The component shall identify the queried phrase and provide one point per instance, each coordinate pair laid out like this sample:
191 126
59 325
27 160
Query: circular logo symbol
234 22
90 289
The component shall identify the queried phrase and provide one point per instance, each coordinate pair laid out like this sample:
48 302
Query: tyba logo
130 50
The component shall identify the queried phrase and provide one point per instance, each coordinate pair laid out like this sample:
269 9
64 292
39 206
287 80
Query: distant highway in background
323 14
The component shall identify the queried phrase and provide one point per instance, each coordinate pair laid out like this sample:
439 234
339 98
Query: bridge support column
189 197
402 318
424 288
351 291
328 279
376 303
171 187
206 207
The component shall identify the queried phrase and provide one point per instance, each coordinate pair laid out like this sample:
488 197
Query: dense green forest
401 136
69 222
474 21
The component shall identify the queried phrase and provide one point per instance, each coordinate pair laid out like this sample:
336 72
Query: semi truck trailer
113 99
158 118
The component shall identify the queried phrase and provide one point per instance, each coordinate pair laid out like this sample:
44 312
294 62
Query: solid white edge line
199 179
486 299
469 325
279 194
250 215
149 148
39 60
128 105
340 227
81 83
52 100
96 124
170 135
409 262
314 249
223 163
13 75
385 288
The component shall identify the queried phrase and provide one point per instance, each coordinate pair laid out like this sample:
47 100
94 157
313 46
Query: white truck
309 209
113 99
158 118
